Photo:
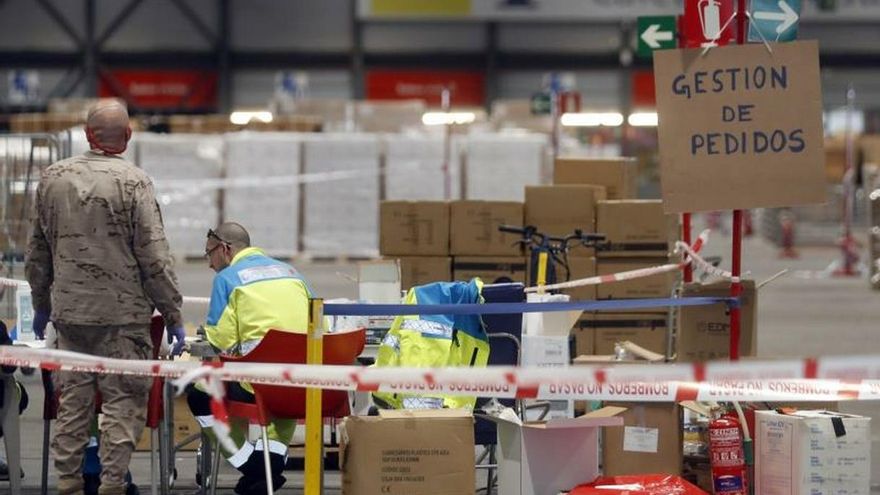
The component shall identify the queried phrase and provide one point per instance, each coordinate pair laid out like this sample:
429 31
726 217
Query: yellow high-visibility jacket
251 296
427 341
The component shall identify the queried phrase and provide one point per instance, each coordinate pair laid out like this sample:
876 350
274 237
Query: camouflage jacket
97 253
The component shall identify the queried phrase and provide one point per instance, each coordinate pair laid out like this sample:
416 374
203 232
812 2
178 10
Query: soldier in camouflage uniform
98 264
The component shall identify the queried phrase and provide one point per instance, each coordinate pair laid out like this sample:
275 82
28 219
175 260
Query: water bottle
25 311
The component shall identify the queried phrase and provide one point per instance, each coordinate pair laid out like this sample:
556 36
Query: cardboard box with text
704 331
490 269
649 442
635 227
648 330
408 453
420 270
619 176
414 228
559 210
474 227
655 286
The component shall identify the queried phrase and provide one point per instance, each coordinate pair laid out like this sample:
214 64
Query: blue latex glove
41 319
178 336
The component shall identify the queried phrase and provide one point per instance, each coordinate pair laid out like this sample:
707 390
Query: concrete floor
799 314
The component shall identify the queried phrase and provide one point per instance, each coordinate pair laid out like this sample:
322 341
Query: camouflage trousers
123 404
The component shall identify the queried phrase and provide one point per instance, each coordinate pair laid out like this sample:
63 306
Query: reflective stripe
248 346
205 421
392 341
239 458
275 447
93 442
427 328
257 273
422 403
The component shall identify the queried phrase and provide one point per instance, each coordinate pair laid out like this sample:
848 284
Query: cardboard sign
740 127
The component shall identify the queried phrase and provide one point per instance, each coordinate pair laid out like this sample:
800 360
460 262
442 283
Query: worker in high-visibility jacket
252 294
425 341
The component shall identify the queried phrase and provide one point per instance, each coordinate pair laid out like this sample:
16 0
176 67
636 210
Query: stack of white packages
262 193
341 194
414 168
186 170
499 166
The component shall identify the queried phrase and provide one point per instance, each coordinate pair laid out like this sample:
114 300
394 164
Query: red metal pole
736 255
686 238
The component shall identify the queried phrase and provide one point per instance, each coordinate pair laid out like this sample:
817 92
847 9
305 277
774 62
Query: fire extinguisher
727 456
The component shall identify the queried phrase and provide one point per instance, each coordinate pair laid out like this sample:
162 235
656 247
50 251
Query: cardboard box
584 336
647 330
704 331
408 453
619 176
547 351
812 452
420 270
490 269
185 426
635 227
545 458
649 442
559 210
414 228
474 228
659 285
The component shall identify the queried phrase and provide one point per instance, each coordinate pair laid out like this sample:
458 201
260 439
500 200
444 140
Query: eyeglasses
209 251
221 241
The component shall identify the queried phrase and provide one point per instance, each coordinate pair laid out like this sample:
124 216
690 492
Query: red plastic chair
280 402
154 405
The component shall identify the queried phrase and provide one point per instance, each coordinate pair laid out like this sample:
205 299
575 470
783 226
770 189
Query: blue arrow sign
774 20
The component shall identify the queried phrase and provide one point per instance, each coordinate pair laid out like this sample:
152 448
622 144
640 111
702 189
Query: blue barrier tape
334 309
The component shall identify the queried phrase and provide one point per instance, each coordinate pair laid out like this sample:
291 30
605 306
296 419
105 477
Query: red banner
467 87
643 96
161 89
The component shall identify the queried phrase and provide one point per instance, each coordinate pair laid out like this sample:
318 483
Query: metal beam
357 53
224 73
210 36
117 22
286 60
39 59
62 22
491 85
427 60
90 51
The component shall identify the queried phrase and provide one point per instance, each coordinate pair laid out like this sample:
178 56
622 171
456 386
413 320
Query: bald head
107 127
233 234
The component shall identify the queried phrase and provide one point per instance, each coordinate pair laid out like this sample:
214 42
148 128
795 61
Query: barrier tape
812 379
701 240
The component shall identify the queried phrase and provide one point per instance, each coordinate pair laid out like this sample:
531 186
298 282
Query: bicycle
546 252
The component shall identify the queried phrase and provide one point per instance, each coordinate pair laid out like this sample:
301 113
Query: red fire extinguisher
727 456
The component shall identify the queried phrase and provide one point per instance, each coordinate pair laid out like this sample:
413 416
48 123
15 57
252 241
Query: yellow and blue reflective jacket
426 341
251 296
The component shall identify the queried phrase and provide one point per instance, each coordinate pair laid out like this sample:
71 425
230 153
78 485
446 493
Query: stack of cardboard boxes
423 235
638 235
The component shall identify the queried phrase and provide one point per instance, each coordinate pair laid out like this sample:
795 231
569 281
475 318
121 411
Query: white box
263 189
342 195
550 351
545 458
414 168
804 454
186 170
497 167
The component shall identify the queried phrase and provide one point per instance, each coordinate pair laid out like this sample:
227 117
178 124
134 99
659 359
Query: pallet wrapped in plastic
341 216
263 191
520 159
414 168
186 171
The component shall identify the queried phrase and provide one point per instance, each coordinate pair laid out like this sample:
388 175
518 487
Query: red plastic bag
642 484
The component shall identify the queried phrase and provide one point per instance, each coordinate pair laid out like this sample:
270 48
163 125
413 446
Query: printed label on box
639 439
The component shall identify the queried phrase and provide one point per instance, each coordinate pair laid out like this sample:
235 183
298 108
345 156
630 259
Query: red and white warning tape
828 379
692 251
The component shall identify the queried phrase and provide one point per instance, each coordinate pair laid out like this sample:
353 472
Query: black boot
253 481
